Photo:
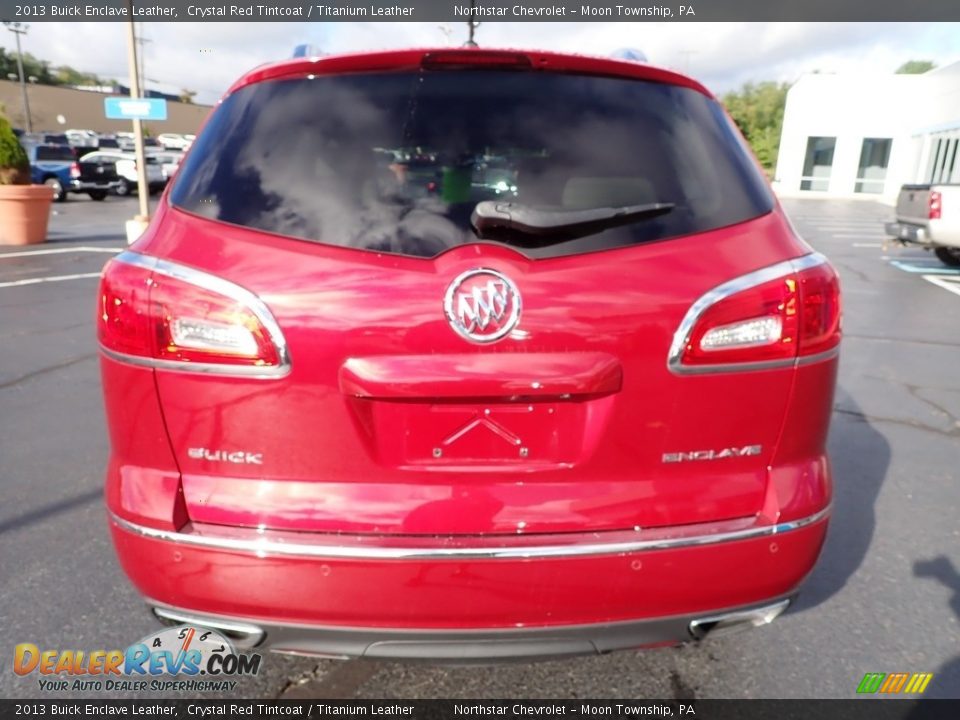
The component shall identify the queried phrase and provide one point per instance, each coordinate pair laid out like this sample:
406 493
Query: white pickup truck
929 215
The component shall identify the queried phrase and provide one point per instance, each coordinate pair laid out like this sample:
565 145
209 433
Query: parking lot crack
338 679
865 417
915 392
852 270
45 370
682 690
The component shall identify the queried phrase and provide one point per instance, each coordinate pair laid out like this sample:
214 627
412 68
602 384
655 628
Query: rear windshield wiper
494 218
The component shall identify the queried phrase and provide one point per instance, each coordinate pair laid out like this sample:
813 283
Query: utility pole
472 25
19 29
143 61
142 188
687 54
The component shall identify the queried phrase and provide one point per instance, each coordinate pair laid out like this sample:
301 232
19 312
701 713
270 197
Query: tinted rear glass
397 162
55 152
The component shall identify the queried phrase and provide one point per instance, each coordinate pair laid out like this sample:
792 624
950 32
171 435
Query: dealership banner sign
480 10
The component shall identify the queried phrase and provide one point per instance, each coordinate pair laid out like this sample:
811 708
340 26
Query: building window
874 158
944 162
818 163
952 169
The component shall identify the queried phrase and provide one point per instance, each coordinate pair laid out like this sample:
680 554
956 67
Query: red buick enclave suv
468 354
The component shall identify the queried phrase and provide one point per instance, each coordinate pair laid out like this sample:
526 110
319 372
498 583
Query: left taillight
166 315
768 318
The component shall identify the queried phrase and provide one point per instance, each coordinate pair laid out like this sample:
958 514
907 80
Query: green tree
915 67
66 75
758 111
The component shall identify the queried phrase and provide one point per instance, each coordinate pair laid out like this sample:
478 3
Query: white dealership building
854 135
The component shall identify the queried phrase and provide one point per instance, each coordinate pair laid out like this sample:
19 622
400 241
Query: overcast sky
207 57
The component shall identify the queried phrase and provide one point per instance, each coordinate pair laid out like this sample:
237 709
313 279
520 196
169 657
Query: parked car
54 166
173 141
929 215
126 170
44 138
349 418
169 162
107 143
81 138
125 140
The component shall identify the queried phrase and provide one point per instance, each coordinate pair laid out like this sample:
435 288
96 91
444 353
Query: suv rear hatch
344 203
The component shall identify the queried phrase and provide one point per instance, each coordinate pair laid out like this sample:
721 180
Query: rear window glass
398 162
55 152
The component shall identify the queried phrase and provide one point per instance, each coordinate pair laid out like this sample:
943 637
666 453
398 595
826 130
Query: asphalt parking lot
885 596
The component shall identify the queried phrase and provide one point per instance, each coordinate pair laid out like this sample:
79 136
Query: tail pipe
734 621
243 635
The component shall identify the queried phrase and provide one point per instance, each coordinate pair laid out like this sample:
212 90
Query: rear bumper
908 233
471 646
84 186
494 598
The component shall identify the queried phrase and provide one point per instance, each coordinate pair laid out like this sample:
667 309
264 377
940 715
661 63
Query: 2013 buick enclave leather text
468 354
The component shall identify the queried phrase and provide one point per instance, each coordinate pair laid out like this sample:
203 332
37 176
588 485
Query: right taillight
934 205
162 314
768 318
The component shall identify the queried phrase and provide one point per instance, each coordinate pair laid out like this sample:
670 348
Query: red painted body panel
399 60
143 480
470 594
603 469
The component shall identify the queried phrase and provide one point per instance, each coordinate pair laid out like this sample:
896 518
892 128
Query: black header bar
862 709
484 11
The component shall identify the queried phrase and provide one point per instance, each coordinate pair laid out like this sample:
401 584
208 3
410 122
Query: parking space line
60 251
948 284
55 278
866 245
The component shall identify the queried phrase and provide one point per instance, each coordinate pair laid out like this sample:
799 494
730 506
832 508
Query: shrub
14 164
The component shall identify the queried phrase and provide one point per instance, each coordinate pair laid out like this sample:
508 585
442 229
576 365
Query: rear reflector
157 313
768 318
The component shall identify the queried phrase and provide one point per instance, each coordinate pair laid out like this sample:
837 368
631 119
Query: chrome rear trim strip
360 547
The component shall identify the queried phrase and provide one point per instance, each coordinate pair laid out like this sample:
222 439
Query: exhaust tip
735 621
242 635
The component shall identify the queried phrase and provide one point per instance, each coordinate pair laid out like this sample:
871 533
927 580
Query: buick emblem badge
482 305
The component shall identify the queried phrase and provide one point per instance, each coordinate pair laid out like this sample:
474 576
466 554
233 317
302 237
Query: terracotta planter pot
24 213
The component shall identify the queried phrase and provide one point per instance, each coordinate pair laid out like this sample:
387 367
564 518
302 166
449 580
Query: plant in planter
24 208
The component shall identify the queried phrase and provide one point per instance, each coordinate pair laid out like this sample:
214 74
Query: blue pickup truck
57 166
52 165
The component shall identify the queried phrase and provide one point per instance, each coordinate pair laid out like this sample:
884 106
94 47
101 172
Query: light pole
144 216
19 29
472 26
143 73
